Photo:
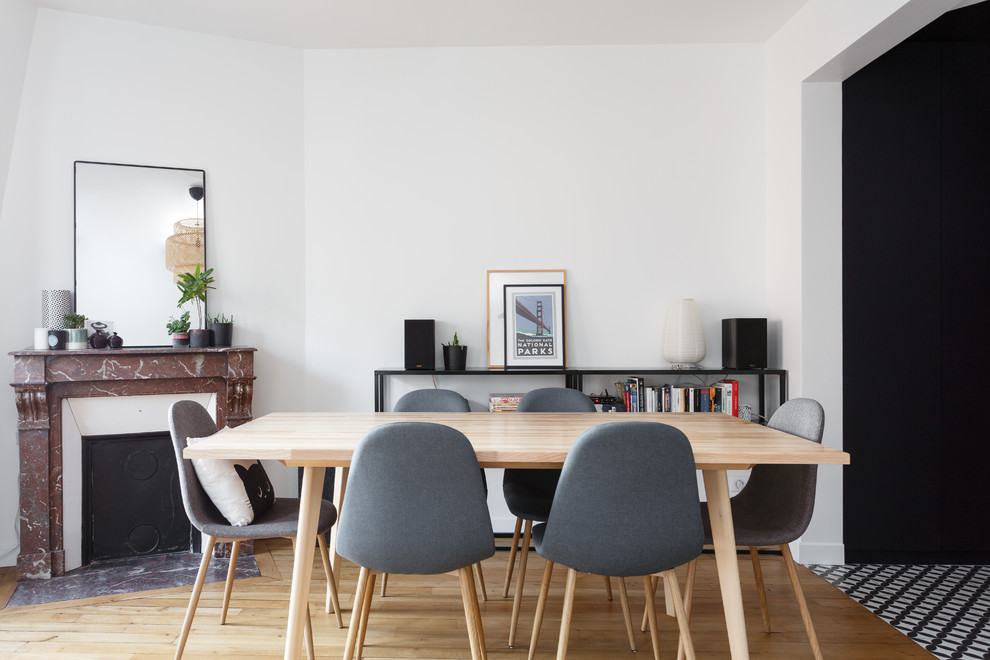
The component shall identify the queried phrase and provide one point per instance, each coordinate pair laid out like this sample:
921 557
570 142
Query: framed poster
534 326
497 279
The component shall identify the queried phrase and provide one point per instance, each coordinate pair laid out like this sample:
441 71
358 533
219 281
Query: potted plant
221 329
193 286
179 329
75 328
454 355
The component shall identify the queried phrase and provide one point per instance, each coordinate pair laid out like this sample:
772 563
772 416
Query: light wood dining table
314 441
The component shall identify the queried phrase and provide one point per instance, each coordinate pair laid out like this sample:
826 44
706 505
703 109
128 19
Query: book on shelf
719 397
503 401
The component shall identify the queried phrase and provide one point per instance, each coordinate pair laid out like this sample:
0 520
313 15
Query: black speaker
744 343
420 346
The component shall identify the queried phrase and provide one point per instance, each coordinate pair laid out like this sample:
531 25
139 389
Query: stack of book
722 396
503 402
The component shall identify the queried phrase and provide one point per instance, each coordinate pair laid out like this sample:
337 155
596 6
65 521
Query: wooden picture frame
497 279
534 326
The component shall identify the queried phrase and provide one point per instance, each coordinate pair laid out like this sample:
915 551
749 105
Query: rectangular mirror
136 226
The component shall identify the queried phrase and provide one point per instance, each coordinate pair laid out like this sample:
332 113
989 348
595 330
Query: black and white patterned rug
944 608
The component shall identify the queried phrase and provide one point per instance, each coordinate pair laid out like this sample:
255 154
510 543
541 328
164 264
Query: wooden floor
422 617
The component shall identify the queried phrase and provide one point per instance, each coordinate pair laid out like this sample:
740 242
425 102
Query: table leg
302 565
724 538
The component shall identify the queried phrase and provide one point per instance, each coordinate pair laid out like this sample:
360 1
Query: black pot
220 333
57 339
179 340
199 338
454 358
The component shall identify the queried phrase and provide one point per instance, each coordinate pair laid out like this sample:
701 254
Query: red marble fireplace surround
42 379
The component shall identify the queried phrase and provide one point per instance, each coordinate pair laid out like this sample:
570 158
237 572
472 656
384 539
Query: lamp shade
184 248
683 335
55 304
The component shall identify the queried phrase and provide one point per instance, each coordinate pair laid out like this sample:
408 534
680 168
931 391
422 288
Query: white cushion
221 482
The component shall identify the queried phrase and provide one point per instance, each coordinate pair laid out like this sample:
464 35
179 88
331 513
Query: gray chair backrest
546 399
555 399
627 502
414 502
432 401
188 419
783 496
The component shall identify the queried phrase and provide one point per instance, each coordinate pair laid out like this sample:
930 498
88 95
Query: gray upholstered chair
529 493
438 400
414 505
188 419
775 507
432 400
626 505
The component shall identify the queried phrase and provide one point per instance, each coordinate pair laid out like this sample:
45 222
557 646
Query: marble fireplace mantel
42 379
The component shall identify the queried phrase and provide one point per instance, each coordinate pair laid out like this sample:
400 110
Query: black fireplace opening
132 503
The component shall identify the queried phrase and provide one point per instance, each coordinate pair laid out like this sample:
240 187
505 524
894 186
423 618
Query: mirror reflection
137 228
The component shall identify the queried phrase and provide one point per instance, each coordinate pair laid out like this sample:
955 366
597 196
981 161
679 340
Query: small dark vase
454 358
180 340
115 341
199 338
221 334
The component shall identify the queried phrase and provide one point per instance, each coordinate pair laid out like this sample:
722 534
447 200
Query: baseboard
821 553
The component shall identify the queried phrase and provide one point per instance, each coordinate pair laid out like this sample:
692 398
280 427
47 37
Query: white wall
16 30
106 90
637 169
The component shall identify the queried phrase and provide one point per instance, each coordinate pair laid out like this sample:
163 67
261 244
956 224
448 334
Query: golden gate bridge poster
534 325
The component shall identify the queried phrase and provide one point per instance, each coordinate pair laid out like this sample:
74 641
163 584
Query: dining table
317 440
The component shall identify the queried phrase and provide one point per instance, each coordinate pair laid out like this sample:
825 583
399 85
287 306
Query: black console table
574 378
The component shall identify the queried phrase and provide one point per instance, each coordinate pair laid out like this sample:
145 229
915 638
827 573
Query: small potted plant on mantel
193 286
179 329
454 355
221 329
75 328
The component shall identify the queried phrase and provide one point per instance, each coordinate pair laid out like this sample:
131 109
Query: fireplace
59 394
131 503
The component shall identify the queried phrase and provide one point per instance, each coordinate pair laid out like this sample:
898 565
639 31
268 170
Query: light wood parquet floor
422 617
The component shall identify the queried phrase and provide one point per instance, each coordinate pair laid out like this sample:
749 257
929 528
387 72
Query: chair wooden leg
228 586
308 636
761 590
333 599
688 602
624 600
481 580
802 603
384 584
512 557
654 580
650 590
365 614
541 606
472 614
608 586
352 632
567 615
517 599
194 598
680 614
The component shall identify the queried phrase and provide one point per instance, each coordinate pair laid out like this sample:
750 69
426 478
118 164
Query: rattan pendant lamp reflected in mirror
184 249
